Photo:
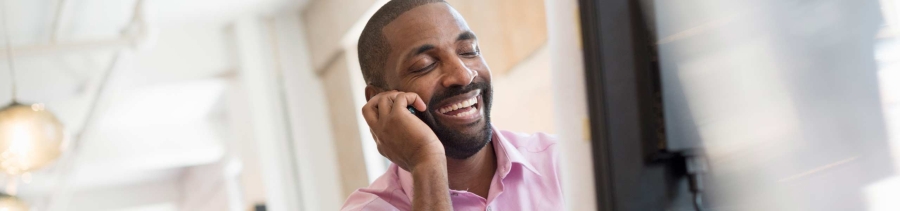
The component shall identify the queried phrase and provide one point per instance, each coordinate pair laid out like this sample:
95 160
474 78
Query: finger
374 137
387 100
381 150
407 99
374 102
372 106
384 105
370 113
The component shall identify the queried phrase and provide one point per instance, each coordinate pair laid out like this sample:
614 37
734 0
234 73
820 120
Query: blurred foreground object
782 96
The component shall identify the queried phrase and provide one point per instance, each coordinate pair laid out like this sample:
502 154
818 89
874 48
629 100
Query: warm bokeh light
30 137
12 203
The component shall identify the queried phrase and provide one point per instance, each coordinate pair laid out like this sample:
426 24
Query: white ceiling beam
67 48
138 34
62 9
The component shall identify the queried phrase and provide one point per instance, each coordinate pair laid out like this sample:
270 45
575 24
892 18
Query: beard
457 144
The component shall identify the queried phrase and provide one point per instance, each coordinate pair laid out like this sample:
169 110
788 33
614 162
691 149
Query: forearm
431 190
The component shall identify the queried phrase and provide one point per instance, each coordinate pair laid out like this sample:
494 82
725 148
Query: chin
462 144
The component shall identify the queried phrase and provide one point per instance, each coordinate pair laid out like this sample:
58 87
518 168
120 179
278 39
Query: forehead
430 23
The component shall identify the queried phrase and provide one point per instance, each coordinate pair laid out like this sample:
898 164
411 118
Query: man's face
434 54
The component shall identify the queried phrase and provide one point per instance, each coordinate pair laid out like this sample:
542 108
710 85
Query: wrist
430 160
430 185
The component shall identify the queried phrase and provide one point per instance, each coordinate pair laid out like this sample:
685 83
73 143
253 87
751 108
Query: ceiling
158 111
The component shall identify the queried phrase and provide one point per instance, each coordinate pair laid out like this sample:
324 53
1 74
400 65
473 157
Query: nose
458 74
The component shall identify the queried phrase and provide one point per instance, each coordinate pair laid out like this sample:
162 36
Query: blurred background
168 105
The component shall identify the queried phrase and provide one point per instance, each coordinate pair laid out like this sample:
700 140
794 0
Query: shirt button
489 209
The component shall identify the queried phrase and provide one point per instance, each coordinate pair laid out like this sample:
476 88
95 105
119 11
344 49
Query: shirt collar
506 153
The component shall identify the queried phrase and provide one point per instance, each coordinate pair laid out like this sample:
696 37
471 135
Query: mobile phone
412 110
416 113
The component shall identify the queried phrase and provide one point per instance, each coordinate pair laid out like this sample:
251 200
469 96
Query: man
447 156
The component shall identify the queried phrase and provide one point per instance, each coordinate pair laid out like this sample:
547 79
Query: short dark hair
373 47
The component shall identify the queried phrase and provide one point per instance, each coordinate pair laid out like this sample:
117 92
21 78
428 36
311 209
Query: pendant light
30 136
12 203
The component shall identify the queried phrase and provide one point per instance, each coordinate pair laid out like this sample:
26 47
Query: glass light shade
30 137
12 203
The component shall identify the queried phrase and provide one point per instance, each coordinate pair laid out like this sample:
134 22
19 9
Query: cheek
426 96
484 71
485 74
423 86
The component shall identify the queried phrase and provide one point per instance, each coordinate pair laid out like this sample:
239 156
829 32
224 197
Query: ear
371 91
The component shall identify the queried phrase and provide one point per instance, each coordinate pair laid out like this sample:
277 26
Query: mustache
457 90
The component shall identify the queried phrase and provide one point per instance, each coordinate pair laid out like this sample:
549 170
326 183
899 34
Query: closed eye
471 54
426 68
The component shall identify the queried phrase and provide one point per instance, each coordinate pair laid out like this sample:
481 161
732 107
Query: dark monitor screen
734 105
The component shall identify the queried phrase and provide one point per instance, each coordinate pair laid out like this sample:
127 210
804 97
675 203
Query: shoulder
384 193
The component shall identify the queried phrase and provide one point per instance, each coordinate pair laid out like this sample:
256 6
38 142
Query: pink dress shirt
527 178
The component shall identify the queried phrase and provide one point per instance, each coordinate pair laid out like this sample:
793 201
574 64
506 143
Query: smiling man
421 54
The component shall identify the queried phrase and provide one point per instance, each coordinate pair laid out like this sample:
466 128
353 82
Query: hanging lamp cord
9 52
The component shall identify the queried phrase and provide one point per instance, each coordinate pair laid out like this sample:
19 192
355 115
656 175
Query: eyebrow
466 35
422 49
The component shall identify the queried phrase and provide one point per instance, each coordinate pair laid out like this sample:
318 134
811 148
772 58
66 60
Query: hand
408 142
401 136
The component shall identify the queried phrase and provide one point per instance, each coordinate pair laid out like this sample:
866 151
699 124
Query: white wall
308 111
344 118
212 187
163 194
258 74
570 108
523 97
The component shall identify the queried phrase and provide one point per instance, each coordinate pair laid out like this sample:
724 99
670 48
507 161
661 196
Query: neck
473 174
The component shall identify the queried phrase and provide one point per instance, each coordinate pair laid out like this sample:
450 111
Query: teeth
465 113
459 105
